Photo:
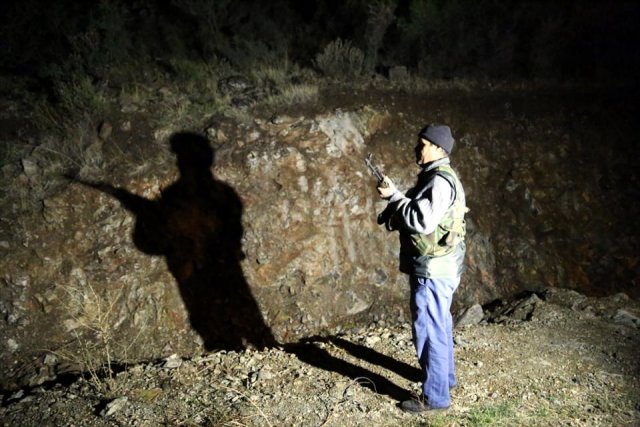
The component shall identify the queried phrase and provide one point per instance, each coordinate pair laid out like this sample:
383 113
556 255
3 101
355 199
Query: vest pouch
439 243
425 244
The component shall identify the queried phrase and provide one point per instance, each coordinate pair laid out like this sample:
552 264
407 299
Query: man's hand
386 188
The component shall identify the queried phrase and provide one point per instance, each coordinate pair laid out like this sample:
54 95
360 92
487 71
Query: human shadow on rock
196 224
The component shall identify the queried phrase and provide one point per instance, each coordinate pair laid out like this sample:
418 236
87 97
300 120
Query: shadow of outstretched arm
148 214
196 224
131 202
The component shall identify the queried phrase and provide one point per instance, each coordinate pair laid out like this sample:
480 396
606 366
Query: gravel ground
561 360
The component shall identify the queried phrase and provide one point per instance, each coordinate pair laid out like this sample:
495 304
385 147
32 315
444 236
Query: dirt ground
574 362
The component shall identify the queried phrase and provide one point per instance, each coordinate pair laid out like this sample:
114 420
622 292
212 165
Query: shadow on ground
309 351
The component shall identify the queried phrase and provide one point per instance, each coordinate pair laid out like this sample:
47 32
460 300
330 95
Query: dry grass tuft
93 324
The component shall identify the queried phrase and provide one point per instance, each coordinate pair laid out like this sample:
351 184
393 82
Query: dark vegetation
437 39
55 48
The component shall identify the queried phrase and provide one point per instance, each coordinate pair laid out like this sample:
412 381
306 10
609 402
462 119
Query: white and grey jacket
421 210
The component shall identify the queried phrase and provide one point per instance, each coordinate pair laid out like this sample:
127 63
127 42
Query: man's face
426 152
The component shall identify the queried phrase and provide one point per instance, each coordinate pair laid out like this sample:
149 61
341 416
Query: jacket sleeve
423 214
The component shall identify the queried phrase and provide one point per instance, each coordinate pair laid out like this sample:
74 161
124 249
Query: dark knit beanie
438 135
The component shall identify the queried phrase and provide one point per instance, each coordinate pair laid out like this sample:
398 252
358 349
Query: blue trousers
433 336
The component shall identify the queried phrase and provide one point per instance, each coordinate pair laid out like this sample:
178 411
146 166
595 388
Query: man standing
430 221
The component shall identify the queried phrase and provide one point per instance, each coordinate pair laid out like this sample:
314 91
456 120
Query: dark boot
415 406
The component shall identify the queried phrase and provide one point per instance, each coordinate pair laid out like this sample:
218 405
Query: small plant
93 325
78 150
75 100
284 82
269 73
12 152
500 414
340 60
294 94
191 93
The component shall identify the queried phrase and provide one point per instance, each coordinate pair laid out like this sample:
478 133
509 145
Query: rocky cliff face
266 232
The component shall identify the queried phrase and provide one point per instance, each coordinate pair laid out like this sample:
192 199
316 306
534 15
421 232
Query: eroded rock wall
79 287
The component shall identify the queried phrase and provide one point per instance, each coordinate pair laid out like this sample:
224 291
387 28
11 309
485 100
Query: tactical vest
451 229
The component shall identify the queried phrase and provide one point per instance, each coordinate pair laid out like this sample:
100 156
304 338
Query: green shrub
340 60
76 100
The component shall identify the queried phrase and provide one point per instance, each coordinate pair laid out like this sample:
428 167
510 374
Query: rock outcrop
277 240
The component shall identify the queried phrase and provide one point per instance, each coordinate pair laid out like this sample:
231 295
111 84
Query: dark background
561 40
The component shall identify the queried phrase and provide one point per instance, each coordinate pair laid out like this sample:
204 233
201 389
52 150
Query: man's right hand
386 188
